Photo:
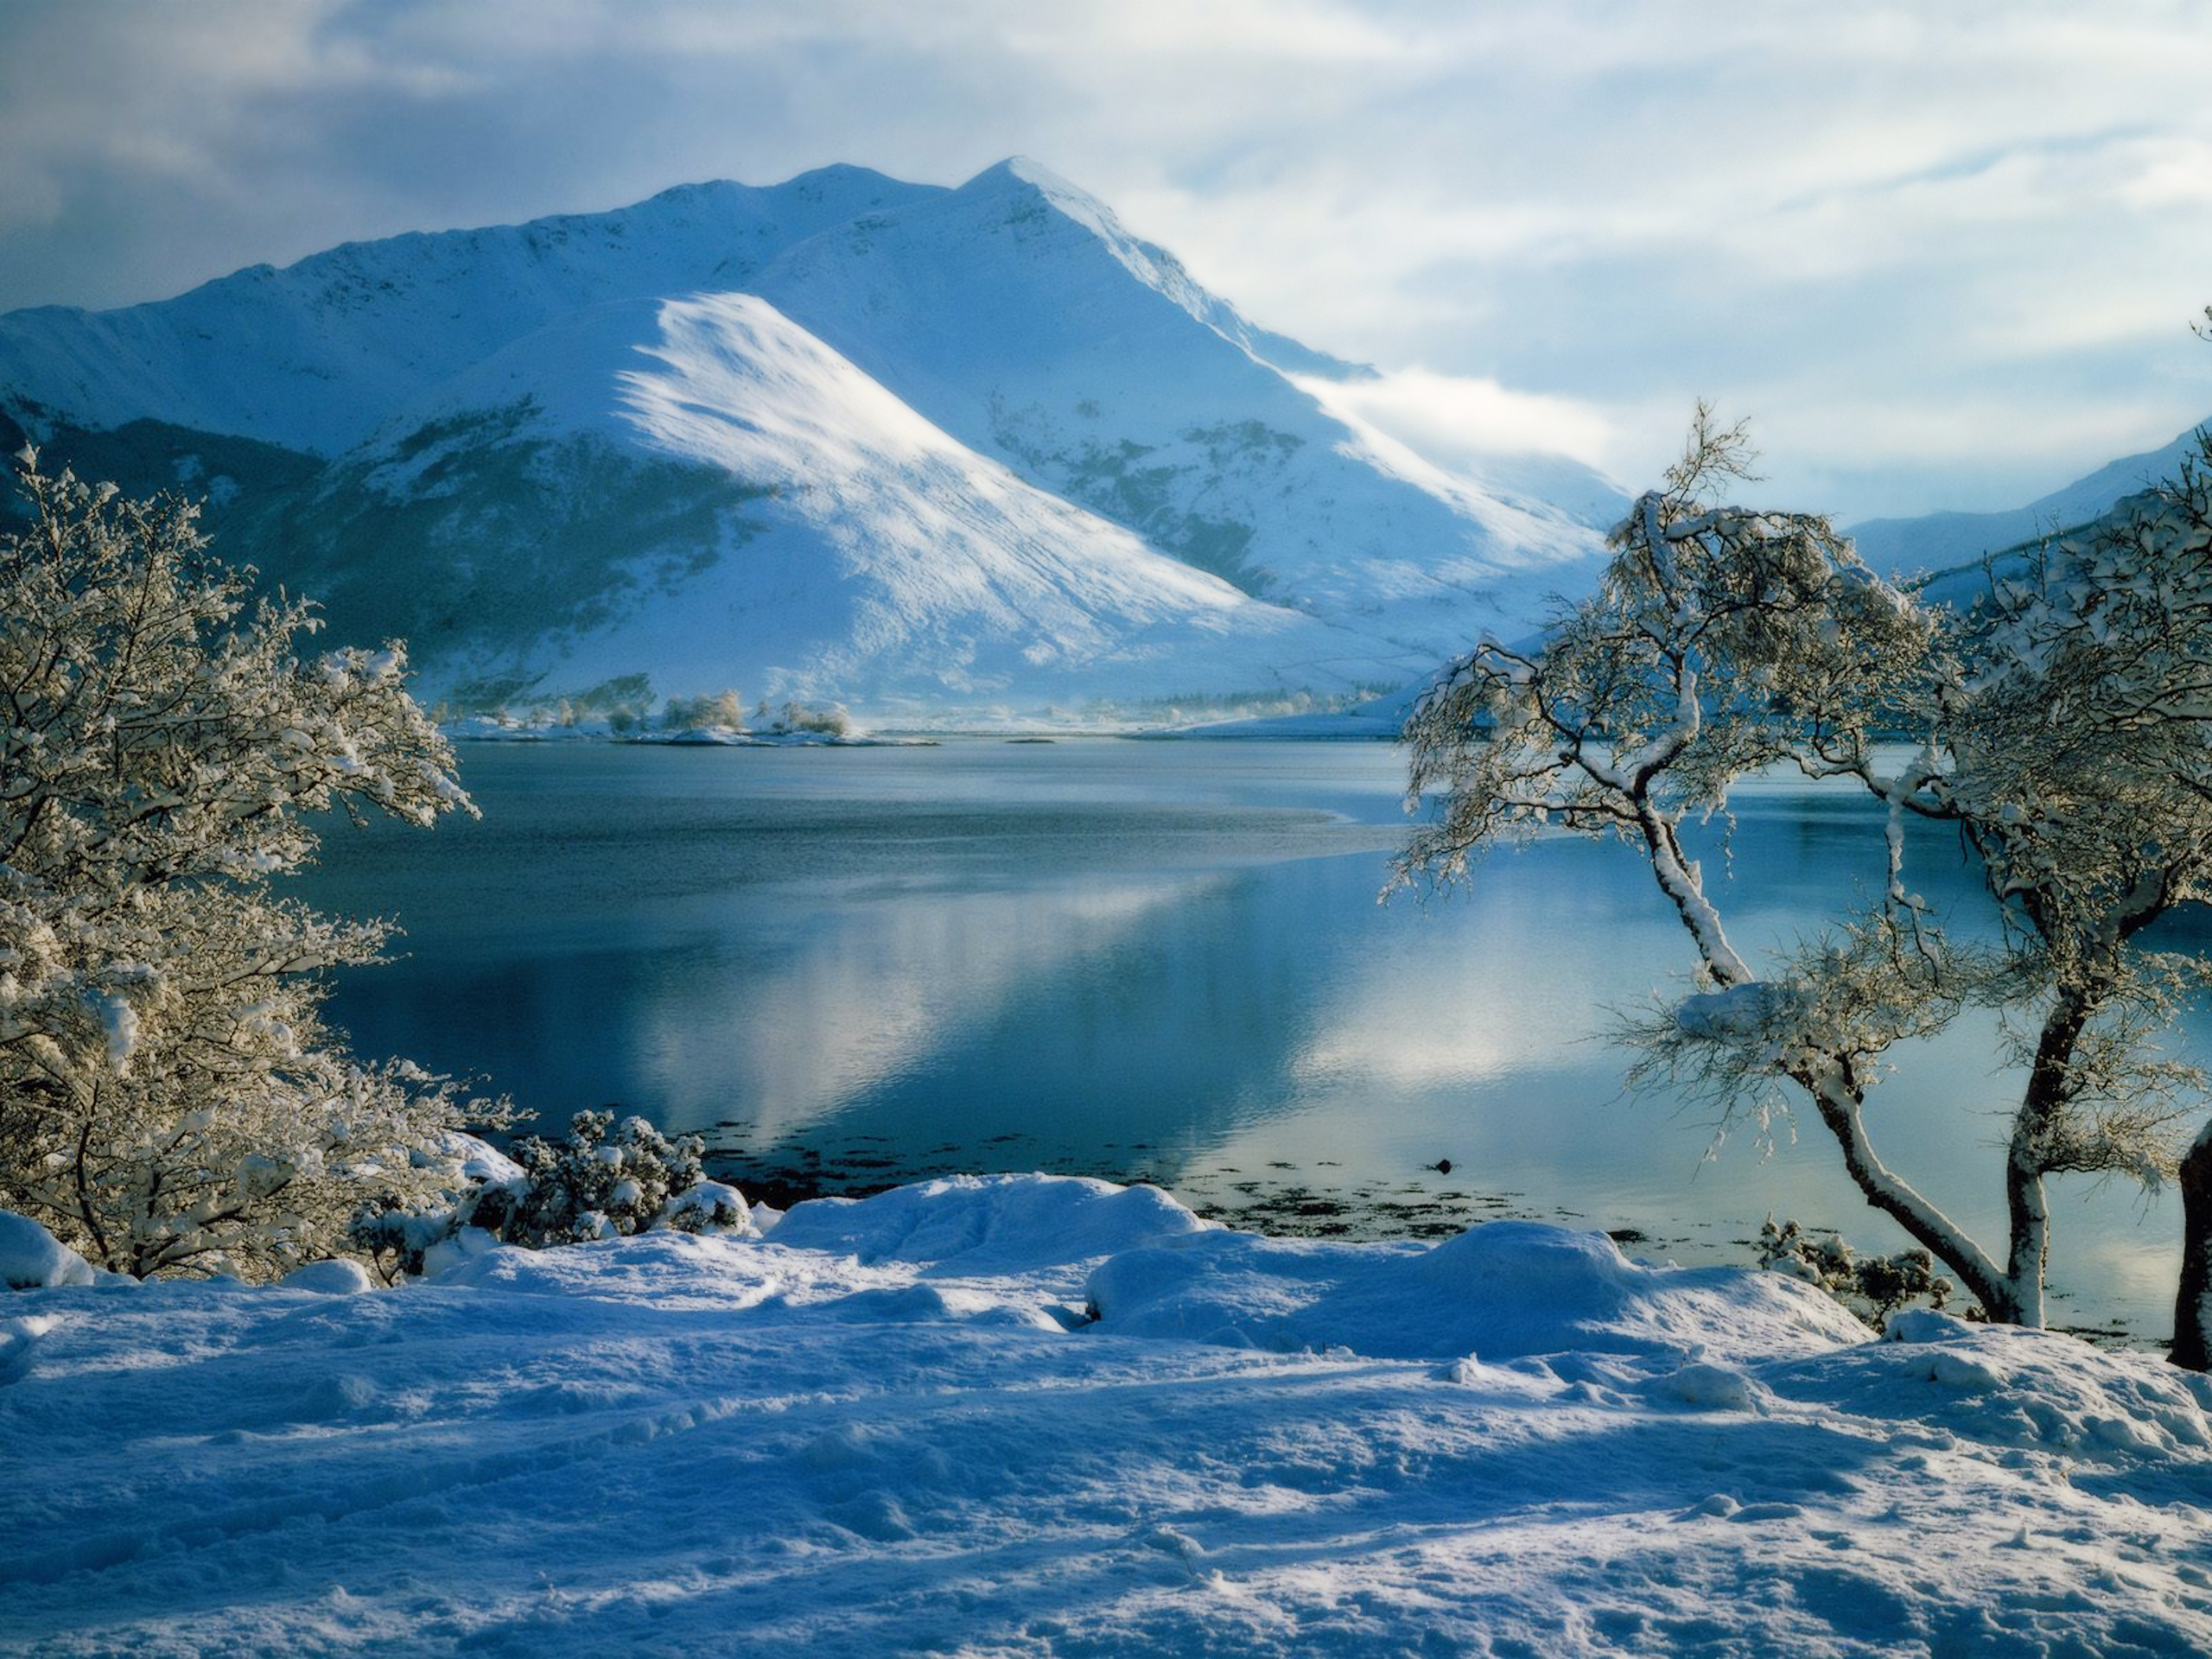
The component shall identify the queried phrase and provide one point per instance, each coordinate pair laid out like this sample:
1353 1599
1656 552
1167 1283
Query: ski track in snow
875 1433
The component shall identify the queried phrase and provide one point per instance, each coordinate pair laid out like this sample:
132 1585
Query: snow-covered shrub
790 718
725 709
398 1240
707 1207
601 1182
169 1099
1873 1286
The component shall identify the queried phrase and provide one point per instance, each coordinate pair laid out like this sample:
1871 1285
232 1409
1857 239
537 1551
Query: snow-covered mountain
939 454
1940 541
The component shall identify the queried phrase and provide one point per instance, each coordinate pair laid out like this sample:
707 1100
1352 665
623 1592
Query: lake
1149 960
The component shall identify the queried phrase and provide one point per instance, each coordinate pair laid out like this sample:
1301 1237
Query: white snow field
888 1427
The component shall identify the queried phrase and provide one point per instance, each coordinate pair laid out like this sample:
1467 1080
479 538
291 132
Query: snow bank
881 1441
2037 1398
657 1266
32 1259
1500 1290
328 1279
990 1224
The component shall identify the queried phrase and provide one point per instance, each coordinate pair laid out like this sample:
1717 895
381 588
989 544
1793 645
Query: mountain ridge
1940 541
470 433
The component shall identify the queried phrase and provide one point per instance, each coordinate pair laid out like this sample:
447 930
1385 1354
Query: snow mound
2038 1397
334 1278
932 1304
733 1274
980 1224
1709 1387
1503 1289
660 1265
469 1244
32 1258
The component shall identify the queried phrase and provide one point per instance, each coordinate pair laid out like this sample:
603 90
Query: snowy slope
887 1429
1018 314
317 356
857 551
421 433
1940 540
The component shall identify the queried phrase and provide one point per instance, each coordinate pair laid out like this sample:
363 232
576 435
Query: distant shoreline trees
169 1099
2062 726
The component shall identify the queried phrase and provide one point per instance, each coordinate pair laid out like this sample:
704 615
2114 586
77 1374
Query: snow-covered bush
707 1207
601 1182
724 709
1873 1286
169 1099
789 718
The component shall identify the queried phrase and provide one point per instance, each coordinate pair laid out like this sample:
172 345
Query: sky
1940 255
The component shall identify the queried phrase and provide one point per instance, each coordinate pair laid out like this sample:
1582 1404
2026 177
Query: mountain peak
1021 169
845 181
1018 175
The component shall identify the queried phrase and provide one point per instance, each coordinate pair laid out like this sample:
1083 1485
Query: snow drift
888 1427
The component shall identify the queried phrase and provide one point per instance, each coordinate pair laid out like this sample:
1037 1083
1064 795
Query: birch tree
169 1099
2058 725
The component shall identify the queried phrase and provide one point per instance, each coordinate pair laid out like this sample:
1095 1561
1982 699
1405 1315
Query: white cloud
1456 419
1971 222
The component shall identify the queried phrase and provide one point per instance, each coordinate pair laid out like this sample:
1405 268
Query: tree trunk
1841 1105
2027 1205
2193 1304
2028 1208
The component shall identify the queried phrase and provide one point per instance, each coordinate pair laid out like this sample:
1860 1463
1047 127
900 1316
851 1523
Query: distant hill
1941 540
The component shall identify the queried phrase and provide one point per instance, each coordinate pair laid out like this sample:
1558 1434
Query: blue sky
1941 255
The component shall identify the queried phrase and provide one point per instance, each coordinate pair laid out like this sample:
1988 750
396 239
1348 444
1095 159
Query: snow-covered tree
170 1100
2059 724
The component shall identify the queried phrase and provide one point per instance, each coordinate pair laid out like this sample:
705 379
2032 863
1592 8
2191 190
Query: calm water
1157 961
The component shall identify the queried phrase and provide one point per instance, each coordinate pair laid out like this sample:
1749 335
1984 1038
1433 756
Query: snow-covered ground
890 1427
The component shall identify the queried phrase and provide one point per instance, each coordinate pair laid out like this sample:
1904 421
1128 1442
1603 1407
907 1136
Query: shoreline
1276 1207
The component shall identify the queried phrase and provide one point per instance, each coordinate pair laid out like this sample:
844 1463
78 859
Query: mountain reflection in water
1148 961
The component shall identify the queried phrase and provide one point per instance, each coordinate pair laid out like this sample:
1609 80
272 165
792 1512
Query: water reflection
856 1005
